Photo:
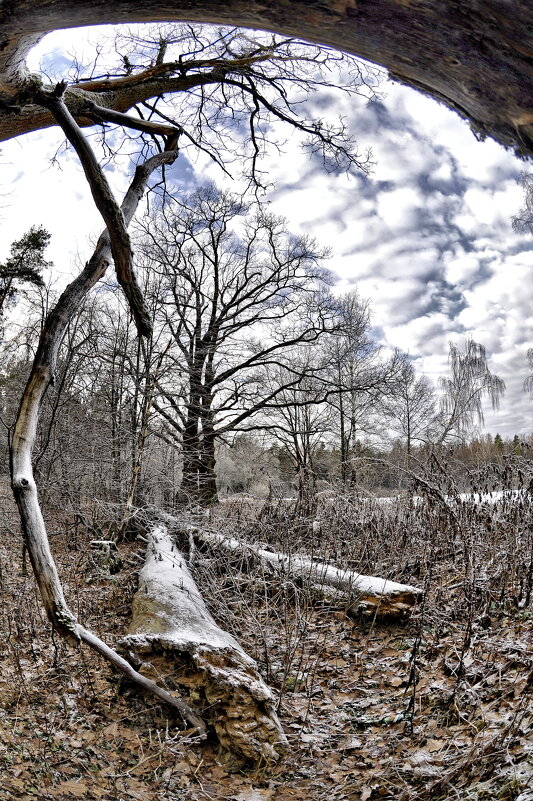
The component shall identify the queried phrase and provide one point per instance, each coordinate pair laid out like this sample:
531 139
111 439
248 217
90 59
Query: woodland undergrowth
438 708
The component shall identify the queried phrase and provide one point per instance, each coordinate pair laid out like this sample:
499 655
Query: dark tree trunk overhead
474 55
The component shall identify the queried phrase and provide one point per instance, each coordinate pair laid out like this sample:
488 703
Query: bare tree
219 86
523 221
410 408
212 89
358 378
528 382
463 392
237 291
338 398
301 421
25 429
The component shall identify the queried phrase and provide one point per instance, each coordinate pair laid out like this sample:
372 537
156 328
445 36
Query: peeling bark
173 629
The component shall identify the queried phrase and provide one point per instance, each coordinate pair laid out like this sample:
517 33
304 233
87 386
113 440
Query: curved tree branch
475 56
22 478
106 204
102 114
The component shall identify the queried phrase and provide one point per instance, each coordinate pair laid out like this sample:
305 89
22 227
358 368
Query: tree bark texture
172 628
474 55
198 485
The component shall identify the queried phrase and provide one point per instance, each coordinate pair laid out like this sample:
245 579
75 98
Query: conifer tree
24 266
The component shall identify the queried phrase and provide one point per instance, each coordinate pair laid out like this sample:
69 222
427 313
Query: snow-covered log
367 595
175 636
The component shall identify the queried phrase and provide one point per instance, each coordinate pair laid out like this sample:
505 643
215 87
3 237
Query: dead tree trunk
170 617
474 55
139 449
22 478
361 595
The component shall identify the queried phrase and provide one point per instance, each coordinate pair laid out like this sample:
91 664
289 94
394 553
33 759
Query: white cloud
462 268
427 238
397 209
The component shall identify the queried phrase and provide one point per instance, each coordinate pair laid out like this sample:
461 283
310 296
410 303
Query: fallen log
361 595
176 637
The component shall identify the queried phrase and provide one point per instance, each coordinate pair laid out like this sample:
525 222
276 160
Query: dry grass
439 708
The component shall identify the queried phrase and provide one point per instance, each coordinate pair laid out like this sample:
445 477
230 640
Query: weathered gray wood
373 595
173 628
22 479
361 594
119 240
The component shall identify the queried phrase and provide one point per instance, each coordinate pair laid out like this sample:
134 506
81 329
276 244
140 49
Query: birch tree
463 392
528 382
523 220
358 378
411 407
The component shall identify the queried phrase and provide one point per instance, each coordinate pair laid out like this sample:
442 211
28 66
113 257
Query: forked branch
169 132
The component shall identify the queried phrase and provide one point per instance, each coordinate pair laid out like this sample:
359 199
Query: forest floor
437 708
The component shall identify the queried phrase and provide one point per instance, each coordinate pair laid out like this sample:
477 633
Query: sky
426 237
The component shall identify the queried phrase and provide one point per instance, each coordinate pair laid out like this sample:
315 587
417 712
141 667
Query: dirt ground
439 707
